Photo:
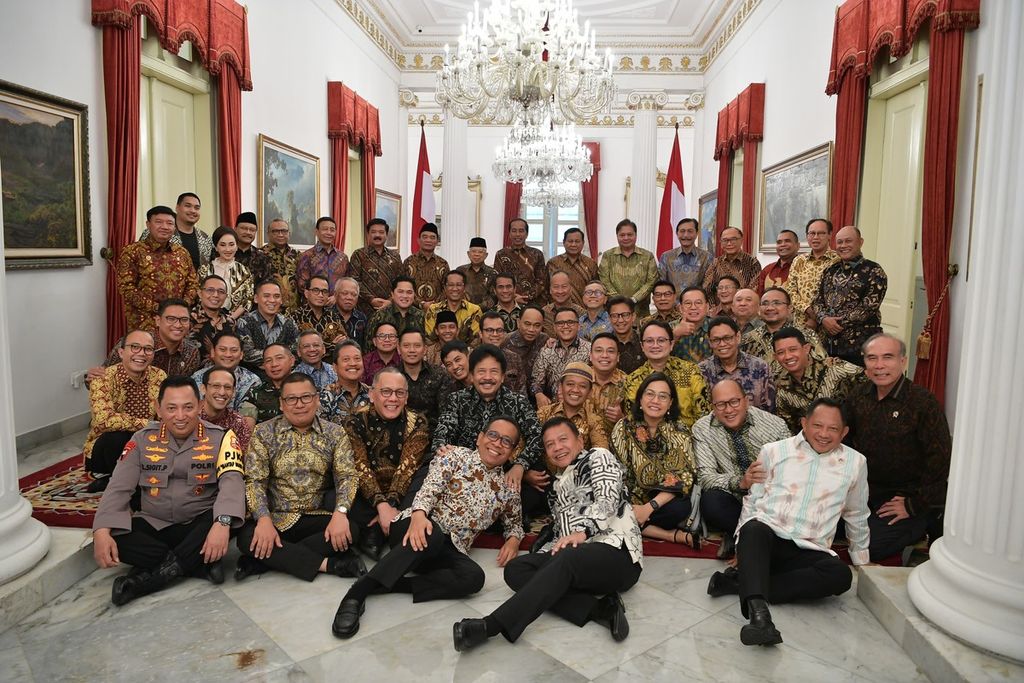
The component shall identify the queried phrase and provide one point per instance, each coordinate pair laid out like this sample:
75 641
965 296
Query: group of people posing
322 409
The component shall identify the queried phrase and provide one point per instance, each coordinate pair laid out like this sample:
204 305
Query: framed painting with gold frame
288 186
389 207
794 191
707 215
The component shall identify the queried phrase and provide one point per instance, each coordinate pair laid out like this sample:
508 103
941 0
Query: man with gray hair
346 297
902 431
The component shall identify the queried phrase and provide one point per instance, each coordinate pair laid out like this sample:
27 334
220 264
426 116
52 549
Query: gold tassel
924 345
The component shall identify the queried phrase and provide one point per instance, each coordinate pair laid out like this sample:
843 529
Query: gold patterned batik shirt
741 266
658 461
631 276
119 403
690 387
804 278
527 264
148 273
287 471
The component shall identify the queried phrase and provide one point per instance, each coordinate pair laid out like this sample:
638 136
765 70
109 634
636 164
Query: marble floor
276 628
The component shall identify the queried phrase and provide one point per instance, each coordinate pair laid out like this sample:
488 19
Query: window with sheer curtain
549 223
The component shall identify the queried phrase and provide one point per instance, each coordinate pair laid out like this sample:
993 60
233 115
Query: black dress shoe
760 630
348 564
727 550
724 583
98 485
346 619
613 616
215 572
373 542
469 633
135 585
126 588
248 566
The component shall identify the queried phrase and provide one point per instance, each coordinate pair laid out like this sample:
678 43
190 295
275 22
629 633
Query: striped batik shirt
715 448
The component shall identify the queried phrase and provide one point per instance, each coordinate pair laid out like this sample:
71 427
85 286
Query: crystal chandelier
524 60
552 194
546 152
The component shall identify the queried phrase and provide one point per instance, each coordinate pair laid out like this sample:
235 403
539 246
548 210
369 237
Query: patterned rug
58 496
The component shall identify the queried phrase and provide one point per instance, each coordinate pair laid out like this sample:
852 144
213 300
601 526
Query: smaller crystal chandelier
563 194
546 153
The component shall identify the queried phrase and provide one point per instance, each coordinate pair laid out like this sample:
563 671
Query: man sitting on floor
463 494
596 549
294 462
217 388
122 401
388 443
785 554
190 476
726 444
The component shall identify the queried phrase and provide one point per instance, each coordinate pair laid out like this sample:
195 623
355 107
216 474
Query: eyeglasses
388 392
493 330
620 316
304 399
386 336
655 341
139 348
692 304
719 341
171 320
593 292
566 323
774 303
730 240
505 441
731 403
220 387
215 290
664 294
658 395
320 290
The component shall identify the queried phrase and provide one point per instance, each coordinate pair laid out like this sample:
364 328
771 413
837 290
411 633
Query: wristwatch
224 519
653 502
342 509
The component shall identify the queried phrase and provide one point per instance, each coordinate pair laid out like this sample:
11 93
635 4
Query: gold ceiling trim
606 121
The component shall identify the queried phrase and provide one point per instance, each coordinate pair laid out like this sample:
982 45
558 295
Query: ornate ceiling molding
633 57
407 98
646 100
607 121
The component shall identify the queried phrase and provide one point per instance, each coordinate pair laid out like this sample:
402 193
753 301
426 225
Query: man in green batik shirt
628 270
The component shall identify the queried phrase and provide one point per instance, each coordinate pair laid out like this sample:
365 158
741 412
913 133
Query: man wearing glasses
621 311
594 320
123 400
728 362
384 354
283 258
389 443
727 443
805 273
551 361
464 493
775 312
691 334
296 464
173 353
732 261
209 316
316 314
664 297
656 339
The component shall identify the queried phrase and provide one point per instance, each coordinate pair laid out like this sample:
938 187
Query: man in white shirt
789 520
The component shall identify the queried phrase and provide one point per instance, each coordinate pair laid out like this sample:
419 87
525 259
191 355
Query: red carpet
58 496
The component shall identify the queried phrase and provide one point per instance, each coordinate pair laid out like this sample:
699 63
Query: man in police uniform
192 493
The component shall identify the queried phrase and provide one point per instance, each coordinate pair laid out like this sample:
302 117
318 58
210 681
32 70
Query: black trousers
888 540
303 547
145 547
567 583
442 572
778 570
721 510
107 451
672 514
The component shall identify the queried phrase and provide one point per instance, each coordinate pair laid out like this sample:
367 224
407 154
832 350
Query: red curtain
589 194
740 123
513 198
121 73
945 62
851 107
229 145
351 120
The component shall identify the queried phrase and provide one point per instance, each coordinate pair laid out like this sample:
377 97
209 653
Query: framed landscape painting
44 179
289 188
389 207
793 192
706 216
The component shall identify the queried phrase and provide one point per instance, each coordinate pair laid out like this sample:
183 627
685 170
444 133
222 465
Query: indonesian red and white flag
423 210
673 202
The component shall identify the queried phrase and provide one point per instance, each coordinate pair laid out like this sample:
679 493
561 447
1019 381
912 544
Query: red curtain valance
863 27
218 29
351 117
742 120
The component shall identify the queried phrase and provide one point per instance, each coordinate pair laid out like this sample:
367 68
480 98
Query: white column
456 228
643 196
973 585
23 540
406 100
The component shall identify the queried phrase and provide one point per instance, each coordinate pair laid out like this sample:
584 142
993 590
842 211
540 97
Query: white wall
786 44
295 51
57 317
616 161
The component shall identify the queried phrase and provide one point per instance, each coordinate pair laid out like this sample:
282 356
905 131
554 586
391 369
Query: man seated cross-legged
464 493
595 554
784 544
